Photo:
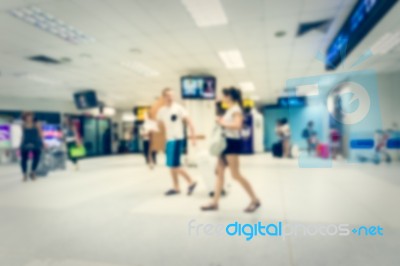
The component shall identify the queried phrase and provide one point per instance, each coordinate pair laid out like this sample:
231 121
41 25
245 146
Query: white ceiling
171 43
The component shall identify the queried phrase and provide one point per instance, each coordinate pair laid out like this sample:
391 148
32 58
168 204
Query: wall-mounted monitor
292 102
198 87
86 99
361 20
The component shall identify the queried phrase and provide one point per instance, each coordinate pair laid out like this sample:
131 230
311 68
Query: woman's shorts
233 147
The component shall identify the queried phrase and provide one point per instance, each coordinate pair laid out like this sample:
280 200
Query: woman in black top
31 143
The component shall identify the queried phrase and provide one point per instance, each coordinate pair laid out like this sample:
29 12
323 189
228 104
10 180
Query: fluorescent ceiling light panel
141 69
206 13
247 86
128 117
44 21
39 79
232 59
108 111
386 43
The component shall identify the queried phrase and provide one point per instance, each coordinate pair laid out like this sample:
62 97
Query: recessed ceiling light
40 19
206 13
85 55
141 69
280 34
135 51
232 59
247 86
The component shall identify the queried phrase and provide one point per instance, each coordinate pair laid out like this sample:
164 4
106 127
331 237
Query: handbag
218 141
77 151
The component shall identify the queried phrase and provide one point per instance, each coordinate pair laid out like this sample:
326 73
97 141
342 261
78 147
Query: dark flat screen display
361 20
198 87
292 102
86 99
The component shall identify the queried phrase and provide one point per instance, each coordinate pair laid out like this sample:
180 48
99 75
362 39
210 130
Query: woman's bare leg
219 182
233 164
185 175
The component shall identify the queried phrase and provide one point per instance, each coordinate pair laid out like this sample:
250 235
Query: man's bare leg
192 184
174 175
185 175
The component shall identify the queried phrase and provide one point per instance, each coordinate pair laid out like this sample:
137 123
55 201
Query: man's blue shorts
174 151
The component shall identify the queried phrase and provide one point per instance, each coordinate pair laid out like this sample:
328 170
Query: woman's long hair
235 94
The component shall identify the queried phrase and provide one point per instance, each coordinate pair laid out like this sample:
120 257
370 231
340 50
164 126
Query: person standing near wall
381 153
32 143
115 138
335 141
309 134
283 131
72 140
232 123
172 116
148 127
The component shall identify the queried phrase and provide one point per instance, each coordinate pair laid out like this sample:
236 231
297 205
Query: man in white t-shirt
173 116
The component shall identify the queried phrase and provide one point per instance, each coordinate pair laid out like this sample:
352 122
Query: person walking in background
32 143
277 147
283 131
381 153
173 116
395 134
149 126
231 122
335 141
107 141
72 140
310 135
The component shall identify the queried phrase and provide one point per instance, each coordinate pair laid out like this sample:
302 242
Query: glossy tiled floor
113 213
